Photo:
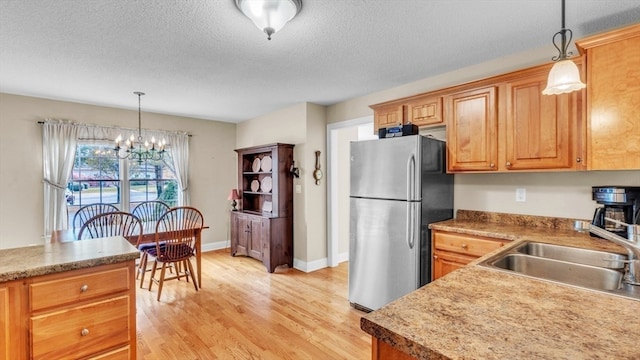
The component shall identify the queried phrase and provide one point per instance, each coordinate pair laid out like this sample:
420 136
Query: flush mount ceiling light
139 149
564 76
269 15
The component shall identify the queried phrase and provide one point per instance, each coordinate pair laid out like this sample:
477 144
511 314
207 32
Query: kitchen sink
591 277
583 268
576 255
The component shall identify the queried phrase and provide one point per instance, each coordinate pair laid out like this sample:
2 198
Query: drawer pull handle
464 246
84 288
84 332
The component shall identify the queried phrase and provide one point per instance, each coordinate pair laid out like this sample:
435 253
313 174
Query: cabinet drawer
467 245
123 353
77 288
81 331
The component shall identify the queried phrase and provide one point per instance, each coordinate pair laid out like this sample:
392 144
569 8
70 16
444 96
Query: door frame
332 184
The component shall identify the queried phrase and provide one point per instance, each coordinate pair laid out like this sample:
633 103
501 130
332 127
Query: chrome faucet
632 275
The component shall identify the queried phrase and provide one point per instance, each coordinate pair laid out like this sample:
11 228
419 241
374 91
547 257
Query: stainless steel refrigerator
398 187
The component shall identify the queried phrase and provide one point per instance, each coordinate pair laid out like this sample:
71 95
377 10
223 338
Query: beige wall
304 126
212 163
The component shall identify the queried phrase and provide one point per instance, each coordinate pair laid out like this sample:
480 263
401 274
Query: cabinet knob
84 332
435 256
508 163
464 246
579 160
84 288
492 165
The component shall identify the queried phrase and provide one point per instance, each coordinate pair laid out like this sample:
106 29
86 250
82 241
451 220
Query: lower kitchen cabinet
452 251
263 238
380 350
87 313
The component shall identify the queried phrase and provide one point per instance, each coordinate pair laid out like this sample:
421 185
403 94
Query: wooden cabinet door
388 116
472 134
240 233
13 337
256 238
425 111
446 262
542 131
613 99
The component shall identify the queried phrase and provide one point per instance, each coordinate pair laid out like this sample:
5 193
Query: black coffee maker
621 206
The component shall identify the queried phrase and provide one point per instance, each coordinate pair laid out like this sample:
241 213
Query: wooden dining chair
113 224
150 210
88 211
147 211
176 246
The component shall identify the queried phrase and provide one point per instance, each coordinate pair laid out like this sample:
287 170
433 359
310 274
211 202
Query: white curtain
59 141
180 152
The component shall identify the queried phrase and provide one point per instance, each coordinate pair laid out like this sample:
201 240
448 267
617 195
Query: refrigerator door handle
411 169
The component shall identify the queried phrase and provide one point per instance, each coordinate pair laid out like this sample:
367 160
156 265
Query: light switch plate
521 194
298 189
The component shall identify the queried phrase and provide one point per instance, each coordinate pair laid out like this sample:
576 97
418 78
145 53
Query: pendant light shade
269 15
564 76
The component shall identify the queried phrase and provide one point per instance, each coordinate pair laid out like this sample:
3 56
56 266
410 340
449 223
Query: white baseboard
297 264
218 245
317 264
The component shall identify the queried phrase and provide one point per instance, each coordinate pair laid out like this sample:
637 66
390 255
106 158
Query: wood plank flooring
243 312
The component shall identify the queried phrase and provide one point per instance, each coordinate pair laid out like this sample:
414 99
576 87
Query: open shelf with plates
263 226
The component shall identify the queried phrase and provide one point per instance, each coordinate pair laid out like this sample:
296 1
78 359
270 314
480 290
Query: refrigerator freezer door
386 168
383 251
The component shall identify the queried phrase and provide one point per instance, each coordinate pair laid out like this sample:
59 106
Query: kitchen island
69 299
481 313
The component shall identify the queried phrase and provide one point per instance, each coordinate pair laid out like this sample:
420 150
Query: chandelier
564 76
270 15
139 149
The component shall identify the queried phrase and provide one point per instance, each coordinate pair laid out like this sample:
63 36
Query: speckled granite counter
481 313
20 263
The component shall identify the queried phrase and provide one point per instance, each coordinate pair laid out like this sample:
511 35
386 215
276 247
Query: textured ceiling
204 59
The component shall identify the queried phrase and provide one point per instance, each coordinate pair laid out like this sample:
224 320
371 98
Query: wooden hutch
262 228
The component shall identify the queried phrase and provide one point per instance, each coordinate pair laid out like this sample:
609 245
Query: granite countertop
20 263
481 313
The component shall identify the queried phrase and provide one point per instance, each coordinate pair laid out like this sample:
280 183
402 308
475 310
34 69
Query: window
97 178
152 180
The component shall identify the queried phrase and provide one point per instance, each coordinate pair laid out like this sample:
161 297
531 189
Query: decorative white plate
267 206
256 165
266 163
266 184
255 185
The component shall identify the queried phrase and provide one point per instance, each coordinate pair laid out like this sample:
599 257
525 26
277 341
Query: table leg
199 257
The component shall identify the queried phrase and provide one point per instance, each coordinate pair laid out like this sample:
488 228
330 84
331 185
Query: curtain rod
189 135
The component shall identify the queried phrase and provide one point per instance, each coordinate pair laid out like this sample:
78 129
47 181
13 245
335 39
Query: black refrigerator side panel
437 198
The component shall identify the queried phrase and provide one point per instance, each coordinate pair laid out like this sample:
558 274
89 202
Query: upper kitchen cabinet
541 131
424 110
388 115
472 129
613 98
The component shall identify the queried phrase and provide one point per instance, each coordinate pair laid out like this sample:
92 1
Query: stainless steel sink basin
576 255
591 277
583 268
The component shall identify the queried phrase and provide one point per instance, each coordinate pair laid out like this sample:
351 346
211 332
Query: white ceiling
204 59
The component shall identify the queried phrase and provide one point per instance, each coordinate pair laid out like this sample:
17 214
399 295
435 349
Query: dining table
148 237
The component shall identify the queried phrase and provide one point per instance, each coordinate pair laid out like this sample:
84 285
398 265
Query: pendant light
269 15
564 76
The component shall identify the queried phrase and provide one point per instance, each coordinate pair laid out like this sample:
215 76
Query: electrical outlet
521 194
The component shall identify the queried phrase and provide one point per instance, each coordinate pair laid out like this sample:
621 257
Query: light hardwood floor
243 312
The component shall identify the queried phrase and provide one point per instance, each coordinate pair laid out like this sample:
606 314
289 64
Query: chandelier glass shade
269 15
138 148
564 76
